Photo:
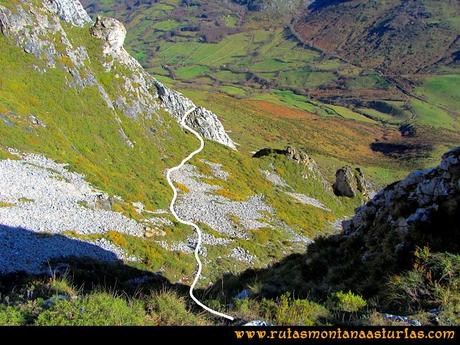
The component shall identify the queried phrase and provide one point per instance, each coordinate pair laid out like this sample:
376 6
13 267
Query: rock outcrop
415 202
300 157
307 164
292 153
423 210
70 11
345 182
112 32
202 120
350 182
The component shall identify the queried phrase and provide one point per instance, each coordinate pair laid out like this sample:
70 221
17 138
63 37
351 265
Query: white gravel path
197 250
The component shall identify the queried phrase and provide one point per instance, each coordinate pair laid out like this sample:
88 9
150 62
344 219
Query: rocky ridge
422 210
202 120
309 167
69 11
415 201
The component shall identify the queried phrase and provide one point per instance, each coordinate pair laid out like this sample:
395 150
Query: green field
441 101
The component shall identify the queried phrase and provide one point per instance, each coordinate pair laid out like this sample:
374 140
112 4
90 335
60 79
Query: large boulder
298 156
351 182
112 31
345 183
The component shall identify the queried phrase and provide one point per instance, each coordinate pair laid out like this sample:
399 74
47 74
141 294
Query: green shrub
11 316
299 312
98 309
433 283
61 286
283 311
168 309
347 302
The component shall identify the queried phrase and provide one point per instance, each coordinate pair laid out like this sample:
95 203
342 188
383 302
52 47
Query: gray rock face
202 120
406 205
112 32
345 184
70 11
349 182
33 28
421 211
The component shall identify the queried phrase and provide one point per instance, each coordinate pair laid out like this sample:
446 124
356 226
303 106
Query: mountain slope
397 37
86 135
72 100
400 250
209 50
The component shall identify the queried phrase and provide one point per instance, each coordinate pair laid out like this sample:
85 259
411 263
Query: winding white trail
198 230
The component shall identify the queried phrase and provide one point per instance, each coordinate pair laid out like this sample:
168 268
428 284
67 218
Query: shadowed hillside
397 37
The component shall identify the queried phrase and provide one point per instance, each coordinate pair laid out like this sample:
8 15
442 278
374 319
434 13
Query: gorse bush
167 308
346 307
284 310
10 316
347 302
302 312
98 309
432 284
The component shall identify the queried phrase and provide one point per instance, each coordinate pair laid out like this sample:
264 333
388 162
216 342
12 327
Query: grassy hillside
251 56
395 36
269 92
42 112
